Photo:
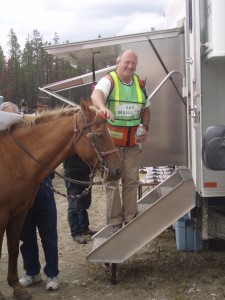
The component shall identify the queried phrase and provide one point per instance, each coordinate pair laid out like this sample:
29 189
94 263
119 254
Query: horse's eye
99 135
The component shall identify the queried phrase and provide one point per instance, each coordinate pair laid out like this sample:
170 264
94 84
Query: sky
78 20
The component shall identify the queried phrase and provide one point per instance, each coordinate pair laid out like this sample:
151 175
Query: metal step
157 210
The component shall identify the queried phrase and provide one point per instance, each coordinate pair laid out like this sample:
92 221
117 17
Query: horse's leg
3 221
13 231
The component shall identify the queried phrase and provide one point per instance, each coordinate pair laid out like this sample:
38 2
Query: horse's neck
48 145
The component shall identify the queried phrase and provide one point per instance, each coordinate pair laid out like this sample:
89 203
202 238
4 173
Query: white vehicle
185 78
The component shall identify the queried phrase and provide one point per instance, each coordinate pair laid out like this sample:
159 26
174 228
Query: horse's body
30 151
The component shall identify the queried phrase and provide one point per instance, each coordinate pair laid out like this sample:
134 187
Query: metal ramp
157 210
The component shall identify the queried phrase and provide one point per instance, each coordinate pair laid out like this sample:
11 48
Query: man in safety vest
120 95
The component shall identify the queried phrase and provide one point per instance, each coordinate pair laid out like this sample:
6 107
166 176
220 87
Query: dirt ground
157 272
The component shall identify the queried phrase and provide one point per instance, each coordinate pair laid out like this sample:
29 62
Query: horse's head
93 142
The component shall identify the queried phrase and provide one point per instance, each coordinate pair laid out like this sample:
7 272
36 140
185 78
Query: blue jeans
77 208
42 215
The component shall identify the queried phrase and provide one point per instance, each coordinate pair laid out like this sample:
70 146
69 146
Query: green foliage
22 72
2 71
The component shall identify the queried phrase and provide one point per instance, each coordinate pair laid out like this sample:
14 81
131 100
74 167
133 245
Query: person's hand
143 137
107 113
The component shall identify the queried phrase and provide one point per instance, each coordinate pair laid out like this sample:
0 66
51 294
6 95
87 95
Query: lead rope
83 194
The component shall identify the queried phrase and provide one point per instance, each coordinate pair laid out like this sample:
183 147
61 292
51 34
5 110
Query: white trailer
205 71
185 75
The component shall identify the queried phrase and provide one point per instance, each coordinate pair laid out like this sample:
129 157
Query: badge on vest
128 110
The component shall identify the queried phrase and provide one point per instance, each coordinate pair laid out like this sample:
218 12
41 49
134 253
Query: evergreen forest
23 71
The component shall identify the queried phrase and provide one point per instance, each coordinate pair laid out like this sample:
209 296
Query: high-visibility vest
126 102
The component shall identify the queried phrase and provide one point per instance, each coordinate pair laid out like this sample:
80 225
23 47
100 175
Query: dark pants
77 208
43 216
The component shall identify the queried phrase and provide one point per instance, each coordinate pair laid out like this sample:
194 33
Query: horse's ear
85 106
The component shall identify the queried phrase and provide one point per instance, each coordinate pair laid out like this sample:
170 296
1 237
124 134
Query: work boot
80 239
116 227
90 232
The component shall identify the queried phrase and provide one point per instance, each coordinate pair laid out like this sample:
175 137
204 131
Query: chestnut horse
34 147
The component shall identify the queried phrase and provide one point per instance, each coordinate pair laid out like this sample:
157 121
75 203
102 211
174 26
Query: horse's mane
46 116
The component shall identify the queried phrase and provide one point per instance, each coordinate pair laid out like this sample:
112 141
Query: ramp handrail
184 87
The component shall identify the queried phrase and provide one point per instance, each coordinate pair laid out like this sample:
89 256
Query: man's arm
145 117
98 99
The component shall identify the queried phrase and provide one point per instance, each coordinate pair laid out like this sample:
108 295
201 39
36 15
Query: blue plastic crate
187 236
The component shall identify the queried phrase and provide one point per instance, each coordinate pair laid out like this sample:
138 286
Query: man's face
127 64
40 109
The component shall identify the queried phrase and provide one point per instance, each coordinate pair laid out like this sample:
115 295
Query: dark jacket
76 168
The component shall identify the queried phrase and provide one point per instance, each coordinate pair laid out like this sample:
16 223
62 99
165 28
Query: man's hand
99 101
143 137
107 113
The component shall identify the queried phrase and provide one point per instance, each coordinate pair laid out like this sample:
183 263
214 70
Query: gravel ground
156 272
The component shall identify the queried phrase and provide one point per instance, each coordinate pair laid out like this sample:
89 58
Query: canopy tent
54 88
95 53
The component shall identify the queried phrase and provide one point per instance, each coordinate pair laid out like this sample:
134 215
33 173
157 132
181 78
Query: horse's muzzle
115 175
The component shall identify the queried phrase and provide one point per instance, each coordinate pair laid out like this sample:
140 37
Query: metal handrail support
184 87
